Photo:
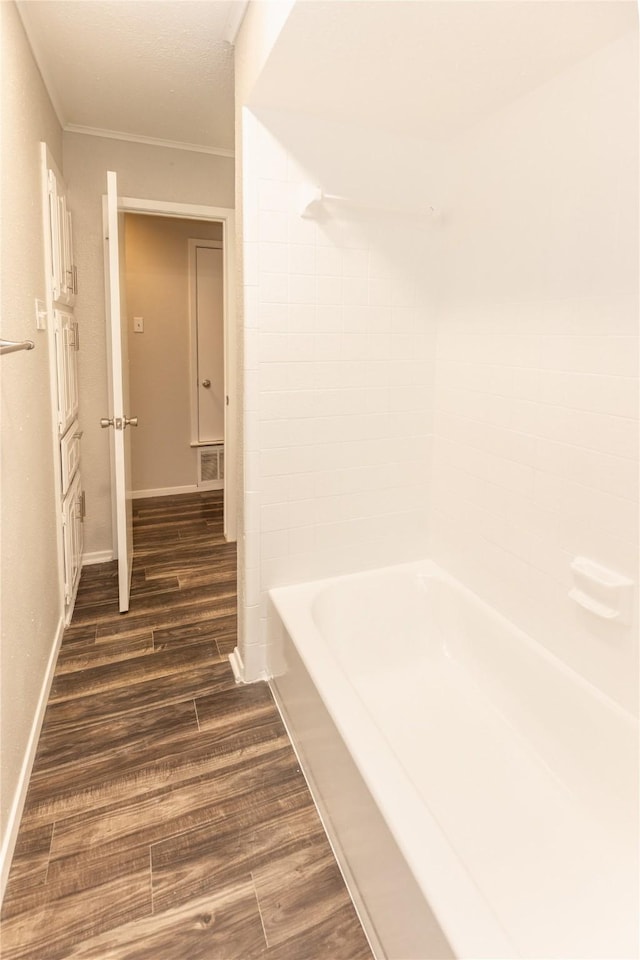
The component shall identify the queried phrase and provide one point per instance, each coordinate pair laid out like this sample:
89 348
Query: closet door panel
66 333
70 454
56 265
72 510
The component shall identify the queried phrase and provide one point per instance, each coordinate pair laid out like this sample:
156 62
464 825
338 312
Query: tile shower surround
339 370
497 431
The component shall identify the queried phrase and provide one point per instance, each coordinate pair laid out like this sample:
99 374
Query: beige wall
144 172
30 600
158 290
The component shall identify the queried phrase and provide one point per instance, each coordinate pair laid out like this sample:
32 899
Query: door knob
106 422
206 383
130 421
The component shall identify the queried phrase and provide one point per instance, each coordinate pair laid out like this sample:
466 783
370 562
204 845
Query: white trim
148 141
226 216
97 556
230 383
211 485
182 211
118 375
112 477
164 492
20 795
237 665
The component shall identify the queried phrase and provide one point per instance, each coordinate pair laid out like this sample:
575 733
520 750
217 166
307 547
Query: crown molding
149 141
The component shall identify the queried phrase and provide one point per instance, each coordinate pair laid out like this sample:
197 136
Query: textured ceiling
161 69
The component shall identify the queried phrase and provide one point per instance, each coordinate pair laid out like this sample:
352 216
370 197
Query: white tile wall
339 365
498 431
536 390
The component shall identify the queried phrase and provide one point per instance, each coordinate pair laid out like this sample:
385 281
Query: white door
119 419
66 338
210 343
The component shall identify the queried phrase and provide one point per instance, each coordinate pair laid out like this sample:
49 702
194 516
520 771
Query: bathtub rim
446 884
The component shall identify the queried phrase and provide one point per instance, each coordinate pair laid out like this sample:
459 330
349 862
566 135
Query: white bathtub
481 797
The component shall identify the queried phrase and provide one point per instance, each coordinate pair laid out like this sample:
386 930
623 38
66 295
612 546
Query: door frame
225 216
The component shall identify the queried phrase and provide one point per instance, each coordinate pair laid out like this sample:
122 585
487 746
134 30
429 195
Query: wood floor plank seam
266 938
151 880
167 817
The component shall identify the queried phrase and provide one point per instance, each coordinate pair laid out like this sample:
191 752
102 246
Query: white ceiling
163 69
428 69
143 69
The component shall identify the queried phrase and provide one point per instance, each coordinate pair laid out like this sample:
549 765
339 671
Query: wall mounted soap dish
602 592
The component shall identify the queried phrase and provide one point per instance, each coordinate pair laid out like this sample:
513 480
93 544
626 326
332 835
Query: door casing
225 216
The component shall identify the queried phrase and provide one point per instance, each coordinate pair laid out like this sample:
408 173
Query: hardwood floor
167 817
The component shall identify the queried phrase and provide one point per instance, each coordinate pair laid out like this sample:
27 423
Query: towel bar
12 346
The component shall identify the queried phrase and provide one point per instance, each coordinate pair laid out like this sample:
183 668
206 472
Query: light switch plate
138 324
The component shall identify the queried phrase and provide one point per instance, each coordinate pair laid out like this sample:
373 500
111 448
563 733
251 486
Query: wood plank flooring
167 817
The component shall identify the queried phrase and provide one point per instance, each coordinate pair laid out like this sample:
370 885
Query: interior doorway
175 329
169 361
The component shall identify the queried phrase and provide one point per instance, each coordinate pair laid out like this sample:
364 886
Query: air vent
211 466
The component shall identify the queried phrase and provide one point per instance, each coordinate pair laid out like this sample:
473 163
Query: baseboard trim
97 556
15 814
237 665
164 492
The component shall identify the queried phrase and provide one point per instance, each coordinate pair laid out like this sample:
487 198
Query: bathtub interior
441 636
528 772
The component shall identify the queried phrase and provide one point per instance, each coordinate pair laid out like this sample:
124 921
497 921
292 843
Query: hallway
167 817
